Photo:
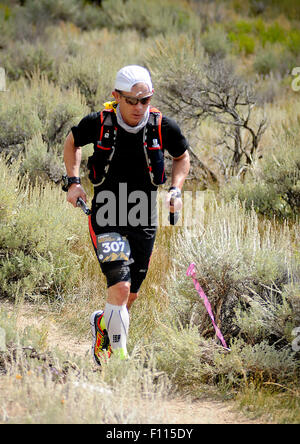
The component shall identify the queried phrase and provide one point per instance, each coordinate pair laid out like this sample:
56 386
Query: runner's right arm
72 159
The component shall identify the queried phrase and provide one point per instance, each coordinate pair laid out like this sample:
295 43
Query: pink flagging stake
191 272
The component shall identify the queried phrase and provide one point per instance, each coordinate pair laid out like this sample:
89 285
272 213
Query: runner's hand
75 191
173 201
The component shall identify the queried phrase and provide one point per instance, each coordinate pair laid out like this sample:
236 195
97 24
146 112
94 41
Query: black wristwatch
67 182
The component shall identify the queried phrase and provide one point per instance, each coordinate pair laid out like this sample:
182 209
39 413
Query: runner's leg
131 299
141 245
115 319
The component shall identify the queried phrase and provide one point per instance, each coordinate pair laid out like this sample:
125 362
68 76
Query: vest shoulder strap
104 149
107 129
154 123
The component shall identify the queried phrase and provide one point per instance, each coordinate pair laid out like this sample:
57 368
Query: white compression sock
117 324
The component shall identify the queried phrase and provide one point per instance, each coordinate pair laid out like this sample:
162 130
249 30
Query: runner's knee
118 294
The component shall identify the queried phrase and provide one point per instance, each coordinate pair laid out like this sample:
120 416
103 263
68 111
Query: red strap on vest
102 120
155 110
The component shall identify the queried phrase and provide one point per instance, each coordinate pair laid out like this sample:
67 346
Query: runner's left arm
177 146
180 170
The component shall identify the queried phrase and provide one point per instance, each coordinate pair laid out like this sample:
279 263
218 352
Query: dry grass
45 371
34 393
47 258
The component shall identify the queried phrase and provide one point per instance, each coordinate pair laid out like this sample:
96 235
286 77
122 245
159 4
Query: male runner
126 169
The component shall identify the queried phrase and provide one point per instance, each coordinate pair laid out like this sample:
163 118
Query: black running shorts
141 241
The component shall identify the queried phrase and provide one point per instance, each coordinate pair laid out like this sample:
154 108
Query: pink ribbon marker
191 272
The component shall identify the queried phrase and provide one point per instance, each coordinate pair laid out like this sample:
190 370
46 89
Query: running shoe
101 347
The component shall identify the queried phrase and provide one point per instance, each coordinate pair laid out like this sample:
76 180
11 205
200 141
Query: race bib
112 247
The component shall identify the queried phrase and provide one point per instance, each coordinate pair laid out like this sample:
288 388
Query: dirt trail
179 410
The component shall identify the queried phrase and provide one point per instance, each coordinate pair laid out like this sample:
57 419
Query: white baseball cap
130 75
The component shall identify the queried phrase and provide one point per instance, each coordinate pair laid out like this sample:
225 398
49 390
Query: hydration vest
104 149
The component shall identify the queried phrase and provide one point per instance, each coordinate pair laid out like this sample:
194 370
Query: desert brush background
226 71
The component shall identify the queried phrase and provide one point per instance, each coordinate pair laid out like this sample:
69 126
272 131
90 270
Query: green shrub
208 363
256 363
185 356
236 257
150 17
293 42
282 175
24 58
243 27
18 120
31 21
215 42
266 61
5 11
249 270
244 43
174 53
40 240
40 12
257 195
273 34
8 195
5 26
83 73
93 75
259 27
269 89
39 163
269 9
38 107
242 36
290 8
90 17
274 317
273 187
247 36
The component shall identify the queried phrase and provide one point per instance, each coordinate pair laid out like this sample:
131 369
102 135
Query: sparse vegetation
60 59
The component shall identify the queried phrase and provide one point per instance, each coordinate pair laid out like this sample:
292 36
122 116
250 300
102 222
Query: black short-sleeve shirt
128 165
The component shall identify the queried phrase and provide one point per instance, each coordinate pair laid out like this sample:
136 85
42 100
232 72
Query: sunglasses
134 101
